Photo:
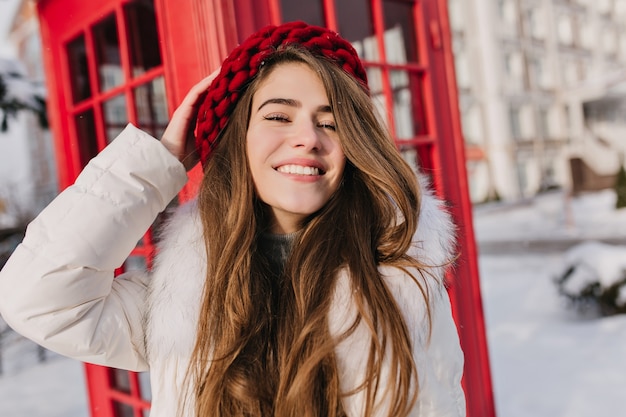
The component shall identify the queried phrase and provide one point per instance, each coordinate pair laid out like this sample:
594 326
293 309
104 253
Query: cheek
260 144
340 163
254 151
257 157
339 180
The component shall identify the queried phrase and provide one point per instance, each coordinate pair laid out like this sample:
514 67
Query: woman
299 283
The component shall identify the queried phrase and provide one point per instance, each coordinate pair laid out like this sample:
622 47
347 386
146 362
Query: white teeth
298 170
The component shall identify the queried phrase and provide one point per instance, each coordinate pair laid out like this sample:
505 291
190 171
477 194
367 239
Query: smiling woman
306 279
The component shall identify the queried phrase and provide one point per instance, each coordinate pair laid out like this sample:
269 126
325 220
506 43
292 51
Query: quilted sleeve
58 287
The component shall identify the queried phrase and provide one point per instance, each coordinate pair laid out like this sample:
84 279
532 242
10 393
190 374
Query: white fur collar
179 271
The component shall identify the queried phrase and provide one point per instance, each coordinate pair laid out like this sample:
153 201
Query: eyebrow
293 103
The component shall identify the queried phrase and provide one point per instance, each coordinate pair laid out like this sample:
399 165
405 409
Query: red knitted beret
243 63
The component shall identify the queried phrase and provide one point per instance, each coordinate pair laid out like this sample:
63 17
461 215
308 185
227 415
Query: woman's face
293 148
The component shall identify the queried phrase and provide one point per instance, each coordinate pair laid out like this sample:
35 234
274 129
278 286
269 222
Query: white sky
7 11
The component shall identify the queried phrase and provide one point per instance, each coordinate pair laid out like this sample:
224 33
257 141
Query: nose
307 136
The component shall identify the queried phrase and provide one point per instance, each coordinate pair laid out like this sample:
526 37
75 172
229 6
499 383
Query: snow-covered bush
593 278
18 93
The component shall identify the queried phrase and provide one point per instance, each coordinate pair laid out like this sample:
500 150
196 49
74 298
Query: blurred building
524 69
27 162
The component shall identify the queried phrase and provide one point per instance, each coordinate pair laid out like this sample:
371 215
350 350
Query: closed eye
327 125
277 117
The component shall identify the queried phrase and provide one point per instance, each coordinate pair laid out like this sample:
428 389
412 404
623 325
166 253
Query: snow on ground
545 360
29 388
552 216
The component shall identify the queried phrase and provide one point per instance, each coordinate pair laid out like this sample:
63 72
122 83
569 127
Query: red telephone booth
110 62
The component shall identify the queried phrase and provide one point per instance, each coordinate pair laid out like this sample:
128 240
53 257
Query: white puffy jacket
58 287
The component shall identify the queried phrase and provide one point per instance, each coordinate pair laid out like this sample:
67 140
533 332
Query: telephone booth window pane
142 35
120 380
135 263
399 81
409 154
86 134
367 48
115 116
354 22
123 410
375 81
79 72
107 47
310 11
144 386
408 112
400 35
151 105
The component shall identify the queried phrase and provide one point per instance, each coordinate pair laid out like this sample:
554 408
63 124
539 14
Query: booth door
105 69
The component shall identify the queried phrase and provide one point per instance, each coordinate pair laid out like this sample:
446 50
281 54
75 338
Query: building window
535 71
587 38
473 124
539 72
507 13
456 16
522 121
544 123
570 71
462 68
555 122
535 24
620 10
609 41
514 70
604 6
522 169
565 30
515 123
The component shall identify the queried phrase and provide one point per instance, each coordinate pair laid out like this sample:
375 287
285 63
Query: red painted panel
57 30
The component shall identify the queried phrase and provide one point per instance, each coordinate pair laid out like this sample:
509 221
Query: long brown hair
263 346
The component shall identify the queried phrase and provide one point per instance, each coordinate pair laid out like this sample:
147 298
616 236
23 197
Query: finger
200 88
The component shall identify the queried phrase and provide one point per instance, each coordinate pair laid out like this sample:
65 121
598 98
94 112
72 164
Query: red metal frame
465 291
101 393
196 35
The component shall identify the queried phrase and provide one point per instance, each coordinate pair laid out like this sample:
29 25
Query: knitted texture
243 63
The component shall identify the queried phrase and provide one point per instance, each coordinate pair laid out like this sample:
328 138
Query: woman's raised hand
178 137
